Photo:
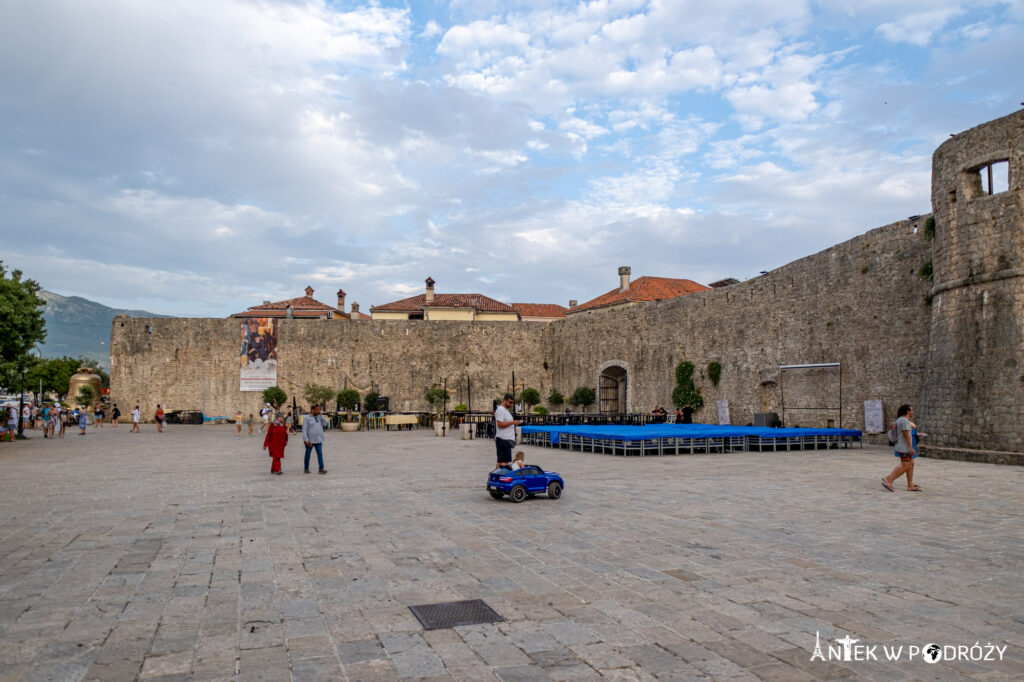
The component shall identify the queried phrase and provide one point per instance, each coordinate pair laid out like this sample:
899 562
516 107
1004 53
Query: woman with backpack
905 432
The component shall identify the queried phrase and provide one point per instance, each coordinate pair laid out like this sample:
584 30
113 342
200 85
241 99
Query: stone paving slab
178 556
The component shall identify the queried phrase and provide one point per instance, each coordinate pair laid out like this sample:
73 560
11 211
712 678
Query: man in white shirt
505 431
136 415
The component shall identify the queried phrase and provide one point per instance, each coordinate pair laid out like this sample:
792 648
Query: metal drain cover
452 613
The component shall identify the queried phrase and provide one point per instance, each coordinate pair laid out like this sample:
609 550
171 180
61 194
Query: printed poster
723 412
873 421
258 355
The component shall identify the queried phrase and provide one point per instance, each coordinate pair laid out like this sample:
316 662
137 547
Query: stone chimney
266 303
624 278
341 300
355 311
430 290
573 303
309 292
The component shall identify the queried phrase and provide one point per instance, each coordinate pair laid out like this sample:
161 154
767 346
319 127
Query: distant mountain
80 328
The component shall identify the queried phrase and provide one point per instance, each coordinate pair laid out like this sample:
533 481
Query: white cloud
917 28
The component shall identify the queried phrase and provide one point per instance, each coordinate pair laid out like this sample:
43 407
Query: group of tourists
659 415
50 418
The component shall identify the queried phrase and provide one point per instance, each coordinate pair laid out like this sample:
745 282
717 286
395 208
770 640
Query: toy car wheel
517 494
554 490
495 495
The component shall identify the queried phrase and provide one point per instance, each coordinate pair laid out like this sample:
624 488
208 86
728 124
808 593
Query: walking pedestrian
83 420
98 416
115 414
251 422
136 414
313 437
275 442
906 449
65 414
159 418
238 424
505 431
45 416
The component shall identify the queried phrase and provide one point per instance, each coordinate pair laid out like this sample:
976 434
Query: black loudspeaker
383 403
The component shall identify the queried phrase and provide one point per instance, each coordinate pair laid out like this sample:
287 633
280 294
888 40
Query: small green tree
529 397
461 407
583 396
437 397
556 398
275 396
370 401
317 394
540 410
686 393
348 400
86 396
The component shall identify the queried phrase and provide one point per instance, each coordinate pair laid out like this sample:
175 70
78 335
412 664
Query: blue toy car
525 482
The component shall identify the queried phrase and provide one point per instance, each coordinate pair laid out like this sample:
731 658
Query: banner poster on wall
258 356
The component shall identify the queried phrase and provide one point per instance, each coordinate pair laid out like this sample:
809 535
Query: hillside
80 328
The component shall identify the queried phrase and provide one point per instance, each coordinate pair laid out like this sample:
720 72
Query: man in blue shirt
313 437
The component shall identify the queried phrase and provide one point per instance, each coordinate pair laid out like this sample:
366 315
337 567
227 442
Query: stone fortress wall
952 346
973 390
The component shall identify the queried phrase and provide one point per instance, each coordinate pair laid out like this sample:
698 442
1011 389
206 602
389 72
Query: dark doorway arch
611 389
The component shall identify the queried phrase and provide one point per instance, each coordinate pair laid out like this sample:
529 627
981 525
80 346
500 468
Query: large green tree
54 374
21 325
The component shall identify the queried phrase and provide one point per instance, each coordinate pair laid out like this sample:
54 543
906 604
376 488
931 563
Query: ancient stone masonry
835 306
953 345
192 364
973 388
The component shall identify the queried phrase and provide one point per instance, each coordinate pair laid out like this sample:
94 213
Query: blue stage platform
677 439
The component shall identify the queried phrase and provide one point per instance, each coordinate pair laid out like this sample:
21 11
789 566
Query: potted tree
317 394
438 397
582 396
348 400
529 398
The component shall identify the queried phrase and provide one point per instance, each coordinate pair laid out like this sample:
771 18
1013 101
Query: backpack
891 433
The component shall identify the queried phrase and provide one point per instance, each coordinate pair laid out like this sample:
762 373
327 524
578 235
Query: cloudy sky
195 157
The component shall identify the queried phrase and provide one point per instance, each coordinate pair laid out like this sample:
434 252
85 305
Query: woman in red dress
276 440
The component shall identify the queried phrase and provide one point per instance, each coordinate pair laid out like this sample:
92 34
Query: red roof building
540 312
433 306
644 289
303 307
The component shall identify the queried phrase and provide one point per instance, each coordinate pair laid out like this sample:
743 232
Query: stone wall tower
973 391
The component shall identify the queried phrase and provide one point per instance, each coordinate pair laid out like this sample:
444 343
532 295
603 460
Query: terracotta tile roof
643 289
302 307
539 309
417 303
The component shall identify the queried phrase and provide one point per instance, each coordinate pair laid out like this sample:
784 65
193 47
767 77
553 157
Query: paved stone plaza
178 556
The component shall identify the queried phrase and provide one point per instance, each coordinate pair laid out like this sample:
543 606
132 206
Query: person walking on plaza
313 437
65 414
12 422
275 442
136 414
115 414
238 423
159 418
505 431
98 415
251 422
83 420
906 449
45 415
